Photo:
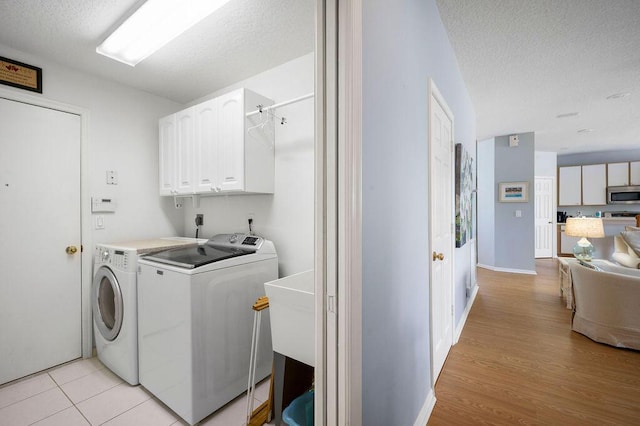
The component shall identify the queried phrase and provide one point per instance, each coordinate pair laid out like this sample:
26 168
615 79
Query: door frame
338 264
435 95
85 202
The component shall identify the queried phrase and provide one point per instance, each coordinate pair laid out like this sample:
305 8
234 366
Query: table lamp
584 227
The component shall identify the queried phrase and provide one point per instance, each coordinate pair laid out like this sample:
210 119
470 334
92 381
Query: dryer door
107 303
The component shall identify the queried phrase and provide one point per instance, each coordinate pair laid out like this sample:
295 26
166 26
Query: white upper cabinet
185 128
570 182
206 142
594 185
617 174
167 164
231 148
634 173
214 148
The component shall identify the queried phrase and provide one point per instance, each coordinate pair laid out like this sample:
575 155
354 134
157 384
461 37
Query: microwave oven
623 195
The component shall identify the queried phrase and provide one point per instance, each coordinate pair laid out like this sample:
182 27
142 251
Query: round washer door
107 303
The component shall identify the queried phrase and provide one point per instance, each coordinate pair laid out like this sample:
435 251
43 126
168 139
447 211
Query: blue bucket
300 411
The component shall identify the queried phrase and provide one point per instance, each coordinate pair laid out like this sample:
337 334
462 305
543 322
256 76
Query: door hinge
453 311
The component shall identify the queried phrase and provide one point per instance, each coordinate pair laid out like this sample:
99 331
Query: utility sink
291 309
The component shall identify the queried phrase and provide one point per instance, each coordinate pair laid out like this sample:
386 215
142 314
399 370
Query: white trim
512 271
350 212
465 314
85 227
326 395
426 410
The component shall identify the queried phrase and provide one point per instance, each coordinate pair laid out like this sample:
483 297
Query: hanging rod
281 104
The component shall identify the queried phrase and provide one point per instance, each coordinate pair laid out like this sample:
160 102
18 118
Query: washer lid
192 257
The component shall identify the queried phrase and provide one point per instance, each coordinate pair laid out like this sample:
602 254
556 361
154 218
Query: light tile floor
84 392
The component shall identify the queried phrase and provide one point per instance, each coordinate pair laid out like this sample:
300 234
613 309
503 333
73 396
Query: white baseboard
427 408
465 314
513 271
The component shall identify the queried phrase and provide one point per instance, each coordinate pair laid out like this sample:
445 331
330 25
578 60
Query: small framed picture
514 192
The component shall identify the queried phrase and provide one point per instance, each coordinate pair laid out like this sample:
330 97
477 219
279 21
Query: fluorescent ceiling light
153 25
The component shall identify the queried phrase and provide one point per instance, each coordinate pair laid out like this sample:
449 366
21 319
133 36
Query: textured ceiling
243 38
527 61
524 61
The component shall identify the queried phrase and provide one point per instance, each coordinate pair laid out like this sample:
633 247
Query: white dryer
114 301
196 321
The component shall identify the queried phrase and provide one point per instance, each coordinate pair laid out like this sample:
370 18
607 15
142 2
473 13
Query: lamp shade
588 227
584 227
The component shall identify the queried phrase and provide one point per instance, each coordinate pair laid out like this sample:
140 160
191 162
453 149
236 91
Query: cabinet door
231 143
617 174
206 147
167 160
567 243
185 128
594 185
570 192
634 172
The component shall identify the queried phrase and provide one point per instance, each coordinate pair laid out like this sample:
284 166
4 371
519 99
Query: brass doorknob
438 256
71 249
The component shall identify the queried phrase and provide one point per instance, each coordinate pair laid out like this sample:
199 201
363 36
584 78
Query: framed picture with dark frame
514 192
20 75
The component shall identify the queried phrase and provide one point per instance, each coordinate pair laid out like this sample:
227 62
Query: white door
544 216
441 212
40 283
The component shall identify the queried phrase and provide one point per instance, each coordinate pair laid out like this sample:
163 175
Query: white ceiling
527 61
243 38
524 61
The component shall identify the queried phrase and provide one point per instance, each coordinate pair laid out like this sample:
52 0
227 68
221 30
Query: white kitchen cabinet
634 173
594 185
570 186
213 148
617 174
566 243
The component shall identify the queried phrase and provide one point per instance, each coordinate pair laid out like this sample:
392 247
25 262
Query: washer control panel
246 242
118 259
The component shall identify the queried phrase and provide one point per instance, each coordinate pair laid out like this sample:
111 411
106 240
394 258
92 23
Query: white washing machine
195 321
114 301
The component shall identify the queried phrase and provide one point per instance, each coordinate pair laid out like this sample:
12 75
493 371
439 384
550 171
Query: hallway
518 362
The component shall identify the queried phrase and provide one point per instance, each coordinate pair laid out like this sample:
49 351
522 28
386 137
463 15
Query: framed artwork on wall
464 192
514 192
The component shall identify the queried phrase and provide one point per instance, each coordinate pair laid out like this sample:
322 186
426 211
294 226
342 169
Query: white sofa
607 304
624 254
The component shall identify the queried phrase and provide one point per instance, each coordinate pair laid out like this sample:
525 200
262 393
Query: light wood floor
518 362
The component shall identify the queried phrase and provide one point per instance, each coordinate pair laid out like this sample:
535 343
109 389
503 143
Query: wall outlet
199 219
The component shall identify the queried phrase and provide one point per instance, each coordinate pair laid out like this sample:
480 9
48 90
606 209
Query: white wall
546 164
286 217
486 203
404 44
122 136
